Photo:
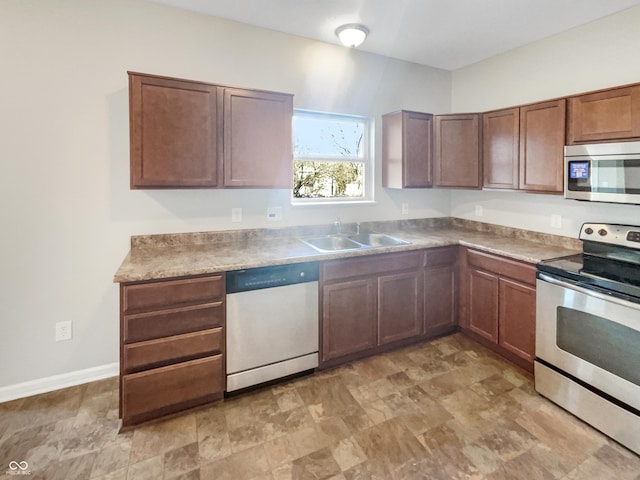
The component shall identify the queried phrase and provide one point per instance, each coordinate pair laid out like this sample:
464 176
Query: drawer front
371 265
168 389
435 257
166 323
164 351
502 266
171 293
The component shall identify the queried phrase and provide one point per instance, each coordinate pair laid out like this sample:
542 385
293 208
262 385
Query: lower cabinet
348 310
171 346
440 290
373 302
498 304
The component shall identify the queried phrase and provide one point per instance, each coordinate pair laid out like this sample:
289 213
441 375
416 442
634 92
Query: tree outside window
331 155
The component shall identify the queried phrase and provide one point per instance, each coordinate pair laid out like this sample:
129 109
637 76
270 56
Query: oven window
601 342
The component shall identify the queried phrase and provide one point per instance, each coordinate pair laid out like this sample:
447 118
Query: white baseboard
56 382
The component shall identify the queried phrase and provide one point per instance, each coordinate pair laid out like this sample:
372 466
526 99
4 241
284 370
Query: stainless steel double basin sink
345 242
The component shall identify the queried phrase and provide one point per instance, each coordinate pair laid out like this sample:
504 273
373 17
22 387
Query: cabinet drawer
158 295
163 351
434 257
166 323
371 265
168 389
502 266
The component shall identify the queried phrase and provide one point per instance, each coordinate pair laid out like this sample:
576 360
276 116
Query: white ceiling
447 34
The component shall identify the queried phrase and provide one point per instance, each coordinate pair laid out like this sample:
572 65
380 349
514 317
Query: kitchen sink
341 243
377 240
332 243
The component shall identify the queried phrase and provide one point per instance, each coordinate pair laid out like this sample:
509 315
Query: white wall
599 55
67 211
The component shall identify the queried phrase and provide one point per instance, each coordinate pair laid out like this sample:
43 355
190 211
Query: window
331 155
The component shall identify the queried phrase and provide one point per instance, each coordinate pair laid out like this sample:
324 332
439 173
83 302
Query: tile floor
448 409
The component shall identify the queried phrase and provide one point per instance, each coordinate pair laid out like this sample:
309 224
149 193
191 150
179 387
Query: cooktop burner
610 262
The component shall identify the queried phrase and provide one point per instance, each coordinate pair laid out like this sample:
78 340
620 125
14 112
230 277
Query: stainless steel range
588 331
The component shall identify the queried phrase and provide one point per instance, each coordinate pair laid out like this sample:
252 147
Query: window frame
368 159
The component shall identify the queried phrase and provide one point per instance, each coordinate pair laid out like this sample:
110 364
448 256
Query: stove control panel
624 235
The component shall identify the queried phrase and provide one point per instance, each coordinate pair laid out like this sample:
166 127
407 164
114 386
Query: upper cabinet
457 151
407 139
500 148
187 134
173 132
606 115
523 147
257 145
542 127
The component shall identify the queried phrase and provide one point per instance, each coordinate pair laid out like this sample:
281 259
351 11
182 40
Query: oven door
591 336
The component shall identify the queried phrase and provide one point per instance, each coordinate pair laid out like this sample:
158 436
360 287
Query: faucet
338 225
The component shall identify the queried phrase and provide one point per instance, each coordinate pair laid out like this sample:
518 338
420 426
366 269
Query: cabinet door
348 317
399 306
173 133
457 151
439 298
483 290
542 128
257 139
500 148
406 149
517 319
606 115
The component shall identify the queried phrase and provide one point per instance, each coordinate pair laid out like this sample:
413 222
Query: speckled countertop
176 255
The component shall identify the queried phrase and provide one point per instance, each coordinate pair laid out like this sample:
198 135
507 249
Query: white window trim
369 164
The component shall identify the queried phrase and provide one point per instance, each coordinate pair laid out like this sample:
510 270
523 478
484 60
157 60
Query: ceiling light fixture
352 35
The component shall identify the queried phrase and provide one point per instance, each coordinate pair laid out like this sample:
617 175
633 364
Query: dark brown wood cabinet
604 116
173 133
498 304
440 290
457 159
542 127
171 346
368 302
500 148
523 147
407 149
257 144
348 317
187 134
400 305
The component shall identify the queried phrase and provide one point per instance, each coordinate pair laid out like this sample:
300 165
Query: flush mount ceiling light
352 35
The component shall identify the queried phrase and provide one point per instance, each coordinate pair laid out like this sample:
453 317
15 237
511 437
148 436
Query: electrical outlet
556 221
405 209
236 215
479 211
274 214
63 331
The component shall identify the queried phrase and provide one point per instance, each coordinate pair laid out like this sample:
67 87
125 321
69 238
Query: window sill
313 202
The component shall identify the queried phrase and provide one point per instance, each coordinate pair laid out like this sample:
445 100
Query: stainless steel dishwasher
272 323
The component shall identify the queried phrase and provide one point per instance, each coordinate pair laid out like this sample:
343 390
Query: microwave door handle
587 291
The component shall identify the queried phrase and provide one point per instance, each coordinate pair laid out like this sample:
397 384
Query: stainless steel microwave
603 172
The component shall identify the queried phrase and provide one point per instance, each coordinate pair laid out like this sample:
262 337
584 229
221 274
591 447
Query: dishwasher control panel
271 276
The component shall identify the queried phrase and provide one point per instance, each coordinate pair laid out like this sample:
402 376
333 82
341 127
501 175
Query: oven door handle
587 291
